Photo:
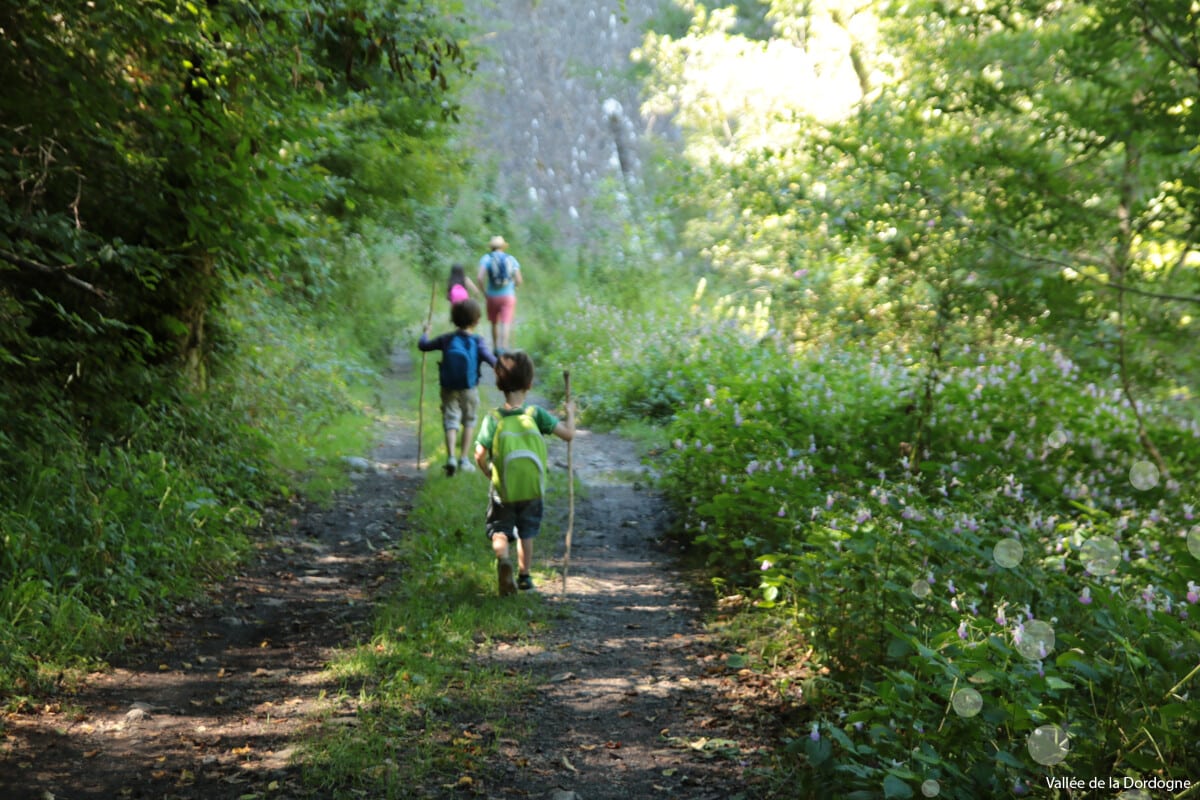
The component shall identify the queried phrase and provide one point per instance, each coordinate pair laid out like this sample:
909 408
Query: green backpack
518 457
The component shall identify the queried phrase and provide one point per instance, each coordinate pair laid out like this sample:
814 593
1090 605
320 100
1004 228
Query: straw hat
497 243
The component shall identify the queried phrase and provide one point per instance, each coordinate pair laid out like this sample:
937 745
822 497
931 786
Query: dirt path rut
635 702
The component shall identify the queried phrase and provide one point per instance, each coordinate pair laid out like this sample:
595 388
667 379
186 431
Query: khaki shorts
459 408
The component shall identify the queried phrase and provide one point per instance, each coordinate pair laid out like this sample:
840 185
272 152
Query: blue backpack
459 368
499 270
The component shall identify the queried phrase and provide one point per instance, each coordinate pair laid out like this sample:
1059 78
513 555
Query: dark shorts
514 520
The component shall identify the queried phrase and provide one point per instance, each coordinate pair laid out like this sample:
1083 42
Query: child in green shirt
511 449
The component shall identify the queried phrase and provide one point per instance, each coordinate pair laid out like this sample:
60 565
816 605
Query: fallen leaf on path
568 764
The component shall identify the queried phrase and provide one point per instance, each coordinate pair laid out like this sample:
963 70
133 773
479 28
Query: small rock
358 463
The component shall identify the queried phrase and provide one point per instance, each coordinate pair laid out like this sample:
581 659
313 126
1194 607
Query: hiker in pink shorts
500 275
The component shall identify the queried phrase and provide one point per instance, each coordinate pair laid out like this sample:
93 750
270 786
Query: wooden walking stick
421 394
570 490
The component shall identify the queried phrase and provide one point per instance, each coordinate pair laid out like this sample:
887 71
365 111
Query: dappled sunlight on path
633 699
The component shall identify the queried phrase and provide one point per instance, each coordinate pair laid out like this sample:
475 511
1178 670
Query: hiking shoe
451 467
504 572
524 583
466 466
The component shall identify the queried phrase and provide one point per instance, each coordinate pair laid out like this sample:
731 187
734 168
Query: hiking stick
570 490
421 394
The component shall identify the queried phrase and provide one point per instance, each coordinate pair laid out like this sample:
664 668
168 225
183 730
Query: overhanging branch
55 272
1115 286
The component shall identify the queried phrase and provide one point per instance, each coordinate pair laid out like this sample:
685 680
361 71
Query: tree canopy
153 152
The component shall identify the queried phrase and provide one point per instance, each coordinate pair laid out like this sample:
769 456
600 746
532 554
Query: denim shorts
523 519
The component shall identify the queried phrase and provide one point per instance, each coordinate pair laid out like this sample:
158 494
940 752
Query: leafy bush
977 550
104 528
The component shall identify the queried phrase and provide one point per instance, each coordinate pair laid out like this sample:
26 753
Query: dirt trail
216 713
633 704
633 700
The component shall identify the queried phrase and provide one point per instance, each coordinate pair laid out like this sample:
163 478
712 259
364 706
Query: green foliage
946 291
199 194
96 543
1023 166
796 474
101 534
198 143
617 357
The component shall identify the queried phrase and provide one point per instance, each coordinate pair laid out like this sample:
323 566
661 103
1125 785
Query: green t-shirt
546 423
519 458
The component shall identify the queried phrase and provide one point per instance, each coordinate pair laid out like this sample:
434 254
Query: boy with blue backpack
511 448
458 374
